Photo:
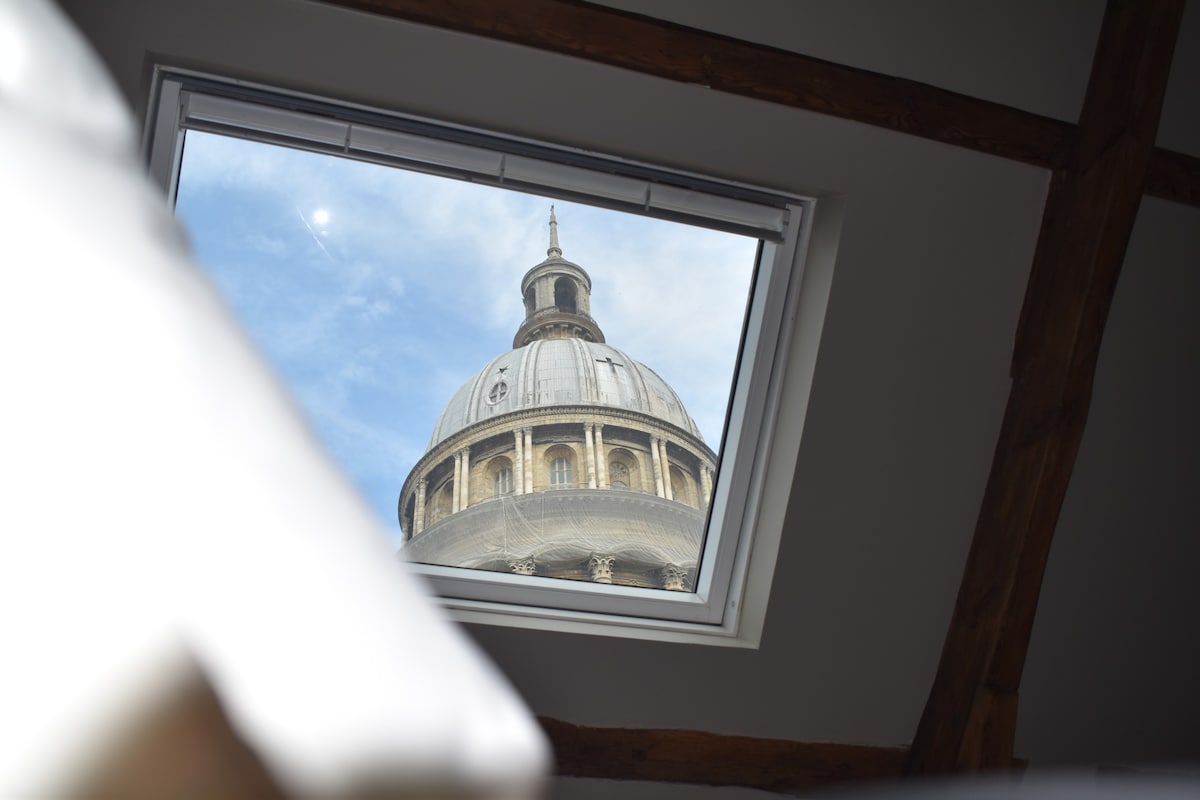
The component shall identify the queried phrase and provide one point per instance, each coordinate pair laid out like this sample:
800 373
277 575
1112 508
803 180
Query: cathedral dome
553 372
562 457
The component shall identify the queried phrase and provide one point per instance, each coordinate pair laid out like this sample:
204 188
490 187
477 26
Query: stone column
454 506
601 568
601 459
418 523
656 460
706 486
465 496
528 459
519 462
668 492
590 458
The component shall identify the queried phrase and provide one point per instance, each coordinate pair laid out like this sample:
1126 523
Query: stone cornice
553 317
552 264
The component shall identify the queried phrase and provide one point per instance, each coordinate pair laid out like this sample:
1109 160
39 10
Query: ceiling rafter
1174 176
712 759
969 720
672 51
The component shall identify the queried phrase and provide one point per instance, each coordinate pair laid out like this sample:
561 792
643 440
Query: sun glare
320 216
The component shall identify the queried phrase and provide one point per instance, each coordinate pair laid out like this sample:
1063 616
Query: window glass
503 482
560 472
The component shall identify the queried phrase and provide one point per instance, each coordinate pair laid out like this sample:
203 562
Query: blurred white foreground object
165 507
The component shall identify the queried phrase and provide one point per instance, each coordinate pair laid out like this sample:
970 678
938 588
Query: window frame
502 482
562 473
714 612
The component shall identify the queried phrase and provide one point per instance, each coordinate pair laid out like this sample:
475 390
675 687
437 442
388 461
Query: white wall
912 374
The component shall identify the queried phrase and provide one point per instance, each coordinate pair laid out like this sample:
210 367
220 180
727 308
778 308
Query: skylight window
572 329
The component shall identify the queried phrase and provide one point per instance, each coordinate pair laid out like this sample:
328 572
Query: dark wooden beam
1174 176
656 47
969 720
715 760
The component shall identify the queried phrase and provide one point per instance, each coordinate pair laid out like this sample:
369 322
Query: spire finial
554 250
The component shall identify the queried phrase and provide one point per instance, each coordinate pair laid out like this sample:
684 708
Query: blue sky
376 292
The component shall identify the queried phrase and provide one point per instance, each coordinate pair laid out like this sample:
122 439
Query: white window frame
733 578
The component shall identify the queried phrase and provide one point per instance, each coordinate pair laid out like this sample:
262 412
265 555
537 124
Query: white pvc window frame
715 612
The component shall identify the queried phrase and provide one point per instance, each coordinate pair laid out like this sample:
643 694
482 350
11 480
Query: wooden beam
656 47
970 717
715 760
1174 176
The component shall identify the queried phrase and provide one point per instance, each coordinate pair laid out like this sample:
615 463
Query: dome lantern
557 295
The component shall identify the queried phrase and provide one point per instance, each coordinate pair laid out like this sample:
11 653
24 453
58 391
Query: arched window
560 466
618 475
500 472
530 303
681 488
623 470
564 294
560 473
443 502
503 482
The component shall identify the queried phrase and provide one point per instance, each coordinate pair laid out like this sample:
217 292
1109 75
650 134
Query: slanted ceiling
961 146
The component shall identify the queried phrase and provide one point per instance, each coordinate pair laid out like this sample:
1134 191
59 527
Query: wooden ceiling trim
711 759
969 719
657 47
661 48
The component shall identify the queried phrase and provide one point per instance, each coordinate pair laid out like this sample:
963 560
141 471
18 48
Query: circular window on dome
498 392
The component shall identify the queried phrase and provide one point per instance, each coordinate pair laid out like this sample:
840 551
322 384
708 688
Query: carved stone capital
675 578
522 566
601 568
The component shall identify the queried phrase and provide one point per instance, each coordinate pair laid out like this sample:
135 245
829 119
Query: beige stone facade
563 457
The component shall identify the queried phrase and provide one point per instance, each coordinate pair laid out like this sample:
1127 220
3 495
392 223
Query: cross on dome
612 364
